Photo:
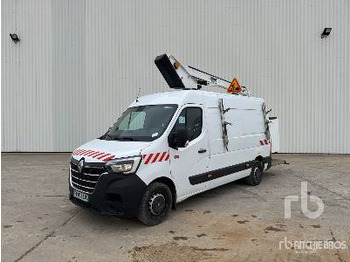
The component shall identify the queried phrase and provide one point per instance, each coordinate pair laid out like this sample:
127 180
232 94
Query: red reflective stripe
167 157
95 154
148 159
144 156
88 152
77 152
161 157
108 158
100 154
82 152
91 153
155 157
103 156
261 142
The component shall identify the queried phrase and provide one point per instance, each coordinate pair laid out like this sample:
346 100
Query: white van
167 147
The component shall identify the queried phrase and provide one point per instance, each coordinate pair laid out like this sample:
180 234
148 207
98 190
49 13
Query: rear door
193 159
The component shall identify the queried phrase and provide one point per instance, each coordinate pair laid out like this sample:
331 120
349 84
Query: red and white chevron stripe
264 142
155 157
103 156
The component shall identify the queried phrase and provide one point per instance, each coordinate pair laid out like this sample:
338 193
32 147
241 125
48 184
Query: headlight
126 165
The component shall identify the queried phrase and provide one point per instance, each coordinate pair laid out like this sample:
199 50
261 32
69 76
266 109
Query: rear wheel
255 176
155 204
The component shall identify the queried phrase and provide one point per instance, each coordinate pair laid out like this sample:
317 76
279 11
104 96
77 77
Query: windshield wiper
125 138
108 136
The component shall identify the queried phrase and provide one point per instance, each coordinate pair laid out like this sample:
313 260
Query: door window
190 119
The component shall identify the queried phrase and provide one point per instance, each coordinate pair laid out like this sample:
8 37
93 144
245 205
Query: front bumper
114 194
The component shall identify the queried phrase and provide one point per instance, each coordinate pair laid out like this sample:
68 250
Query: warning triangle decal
234 87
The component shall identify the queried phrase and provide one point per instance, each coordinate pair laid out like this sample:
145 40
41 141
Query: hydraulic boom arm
180 76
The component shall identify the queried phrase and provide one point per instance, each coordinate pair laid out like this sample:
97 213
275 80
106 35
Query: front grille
87 180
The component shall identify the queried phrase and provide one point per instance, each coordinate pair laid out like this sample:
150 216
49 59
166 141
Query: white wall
26 83
80 63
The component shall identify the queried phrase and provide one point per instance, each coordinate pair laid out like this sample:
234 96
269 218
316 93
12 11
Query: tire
255 176
155 204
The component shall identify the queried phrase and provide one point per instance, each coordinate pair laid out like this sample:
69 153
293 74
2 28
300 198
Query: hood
102 150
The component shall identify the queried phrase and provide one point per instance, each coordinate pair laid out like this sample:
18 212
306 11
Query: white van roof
210 99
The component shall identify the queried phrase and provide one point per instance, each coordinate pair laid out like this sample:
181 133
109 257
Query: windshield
141 123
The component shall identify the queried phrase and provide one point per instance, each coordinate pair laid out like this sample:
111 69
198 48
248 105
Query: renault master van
167 147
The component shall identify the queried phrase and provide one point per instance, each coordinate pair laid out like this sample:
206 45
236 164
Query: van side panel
245 131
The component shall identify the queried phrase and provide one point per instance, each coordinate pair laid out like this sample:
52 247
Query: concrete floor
232 223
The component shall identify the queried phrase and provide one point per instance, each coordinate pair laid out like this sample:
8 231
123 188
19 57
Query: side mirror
178 138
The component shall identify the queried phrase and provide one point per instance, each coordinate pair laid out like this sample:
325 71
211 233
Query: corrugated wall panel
103 51
69 101
26 76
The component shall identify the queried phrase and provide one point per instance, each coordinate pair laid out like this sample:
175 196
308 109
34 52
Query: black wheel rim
157 204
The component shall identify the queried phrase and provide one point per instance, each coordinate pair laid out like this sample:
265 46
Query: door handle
202 150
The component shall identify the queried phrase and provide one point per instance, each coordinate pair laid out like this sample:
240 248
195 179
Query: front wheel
255 176
155 204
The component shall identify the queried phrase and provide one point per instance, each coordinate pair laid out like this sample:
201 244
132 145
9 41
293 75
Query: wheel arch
170 183
259 158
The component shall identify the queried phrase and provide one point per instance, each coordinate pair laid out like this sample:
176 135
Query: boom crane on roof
179 76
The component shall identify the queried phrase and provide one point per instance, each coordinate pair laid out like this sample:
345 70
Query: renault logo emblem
81 165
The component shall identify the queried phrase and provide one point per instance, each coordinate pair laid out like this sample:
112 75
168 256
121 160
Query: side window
191 120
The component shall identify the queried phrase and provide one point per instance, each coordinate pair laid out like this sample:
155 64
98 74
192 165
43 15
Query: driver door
193 158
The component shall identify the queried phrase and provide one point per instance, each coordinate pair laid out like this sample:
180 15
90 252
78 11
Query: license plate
82 196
